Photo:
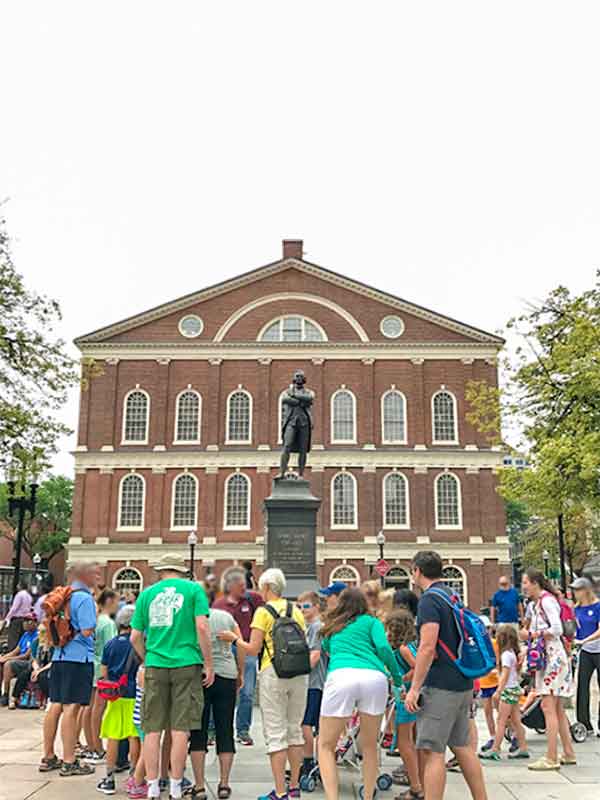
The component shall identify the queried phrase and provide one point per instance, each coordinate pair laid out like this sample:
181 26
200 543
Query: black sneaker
76 768
107 785
245 739
4 700
163 784
123 766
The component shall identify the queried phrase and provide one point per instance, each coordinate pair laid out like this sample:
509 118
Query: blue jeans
243 720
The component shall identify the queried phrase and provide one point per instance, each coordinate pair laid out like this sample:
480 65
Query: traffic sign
382 567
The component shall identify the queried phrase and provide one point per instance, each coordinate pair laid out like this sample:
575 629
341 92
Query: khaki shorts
282 702
443 720
173 699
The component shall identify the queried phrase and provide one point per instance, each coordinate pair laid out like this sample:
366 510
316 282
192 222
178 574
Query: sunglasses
304 606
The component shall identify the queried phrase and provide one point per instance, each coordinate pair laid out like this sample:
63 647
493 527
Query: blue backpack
475 656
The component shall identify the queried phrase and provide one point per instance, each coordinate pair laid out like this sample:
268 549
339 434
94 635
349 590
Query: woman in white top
555 681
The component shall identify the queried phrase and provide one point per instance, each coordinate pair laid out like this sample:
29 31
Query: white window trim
188 441
354 420
391 527
385 319
115 577
332 577
406 574
394 441
135 441
194 525
464 578
187 335
439 527
238 441
247 527
141 527
352 526
455 410
280 319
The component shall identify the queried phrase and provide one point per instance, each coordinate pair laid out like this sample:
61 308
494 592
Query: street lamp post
380 539
18 502
192 542
546 557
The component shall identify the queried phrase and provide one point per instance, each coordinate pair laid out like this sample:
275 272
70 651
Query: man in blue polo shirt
72 675
506 604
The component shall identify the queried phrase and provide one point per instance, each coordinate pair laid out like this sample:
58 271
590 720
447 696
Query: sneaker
294 793
451 766
490 755
107 785
519 754
136 792
124 766
487 746
245 739
93 757
49 764
567 761
4 700
543 765
514 745
129 783
185 784
273 796
163 784
76 768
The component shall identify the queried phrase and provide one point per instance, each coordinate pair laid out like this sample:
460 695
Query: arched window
343 417
455 580
237 502
448 508
187 417
239 417
343 501
128 579
346 574
132 492
397 578
136 412
292 328
393 417
443 411
184 508
395 501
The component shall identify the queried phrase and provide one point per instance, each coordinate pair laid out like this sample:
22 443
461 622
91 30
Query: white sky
448 152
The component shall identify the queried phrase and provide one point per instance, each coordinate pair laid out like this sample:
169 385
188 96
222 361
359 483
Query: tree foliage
35 369
48 532
551 397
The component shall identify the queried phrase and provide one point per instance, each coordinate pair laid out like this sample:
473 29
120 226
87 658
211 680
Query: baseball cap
582 583
337 587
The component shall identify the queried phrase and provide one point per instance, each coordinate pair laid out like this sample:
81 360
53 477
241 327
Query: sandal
196 792
223 792
410 795
48 764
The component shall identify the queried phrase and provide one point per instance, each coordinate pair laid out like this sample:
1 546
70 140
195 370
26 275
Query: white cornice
327 551
267 459
272 269
248 351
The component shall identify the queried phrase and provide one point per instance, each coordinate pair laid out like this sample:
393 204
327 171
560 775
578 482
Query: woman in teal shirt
360 658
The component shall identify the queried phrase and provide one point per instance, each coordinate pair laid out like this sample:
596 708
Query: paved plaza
21 736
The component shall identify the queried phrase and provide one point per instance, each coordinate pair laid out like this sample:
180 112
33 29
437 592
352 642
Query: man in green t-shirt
173 616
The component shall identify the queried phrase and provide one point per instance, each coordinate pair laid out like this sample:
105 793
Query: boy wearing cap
332 593
119 659
173 615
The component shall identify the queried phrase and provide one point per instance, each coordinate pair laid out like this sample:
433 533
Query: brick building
180 430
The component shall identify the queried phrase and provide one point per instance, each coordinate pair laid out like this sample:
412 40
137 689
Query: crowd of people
139 683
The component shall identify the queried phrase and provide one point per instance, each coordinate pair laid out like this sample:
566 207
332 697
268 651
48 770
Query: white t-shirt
509 659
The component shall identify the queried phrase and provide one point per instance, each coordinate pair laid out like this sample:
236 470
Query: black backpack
290 655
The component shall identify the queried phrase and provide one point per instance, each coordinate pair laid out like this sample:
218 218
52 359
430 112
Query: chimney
292 248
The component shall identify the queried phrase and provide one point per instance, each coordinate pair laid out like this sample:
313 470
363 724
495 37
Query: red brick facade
149 353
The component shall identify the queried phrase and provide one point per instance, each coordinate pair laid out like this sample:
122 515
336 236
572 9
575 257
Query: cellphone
420 700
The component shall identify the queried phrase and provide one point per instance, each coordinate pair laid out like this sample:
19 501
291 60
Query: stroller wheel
578 732
384 782
308 783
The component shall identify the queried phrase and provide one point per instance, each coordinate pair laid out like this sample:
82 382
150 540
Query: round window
191 326
392 327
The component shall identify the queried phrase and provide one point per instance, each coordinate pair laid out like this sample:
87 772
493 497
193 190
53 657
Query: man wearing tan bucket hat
173 616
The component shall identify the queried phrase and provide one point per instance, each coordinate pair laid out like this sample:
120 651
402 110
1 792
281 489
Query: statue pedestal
290 543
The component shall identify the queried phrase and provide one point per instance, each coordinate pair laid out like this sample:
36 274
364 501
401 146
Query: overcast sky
447 152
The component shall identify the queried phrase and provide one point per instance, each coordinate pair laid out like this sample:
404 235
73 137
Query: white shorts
349 688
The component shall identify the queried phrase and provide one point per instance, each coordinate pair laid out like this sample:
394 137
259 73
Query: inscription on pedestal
293 550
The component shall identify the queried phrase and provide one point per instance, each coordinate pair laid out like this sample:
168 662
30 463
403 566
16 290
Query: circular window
392 327
191 326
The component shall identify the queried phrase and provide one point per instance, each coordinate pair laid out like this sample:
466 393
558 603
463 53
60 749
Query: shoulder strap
289 610
272 611
444 596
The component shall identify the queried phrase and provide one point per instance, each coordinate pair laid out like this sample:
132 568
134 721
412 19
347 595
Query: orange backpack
57 607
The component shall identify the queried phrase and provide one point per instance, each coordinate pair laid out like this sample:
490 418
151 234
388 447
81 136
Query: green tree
48 532
35 369
551 396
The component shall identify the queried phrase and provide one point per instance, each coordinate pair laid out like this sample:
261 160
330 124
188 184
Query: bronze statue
296 423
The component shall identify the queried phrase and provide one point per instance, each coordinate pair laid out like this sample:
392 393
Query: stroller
533 718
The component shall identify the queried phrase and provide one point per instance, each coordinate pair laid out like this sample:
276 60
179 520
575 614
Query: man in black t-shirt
440 694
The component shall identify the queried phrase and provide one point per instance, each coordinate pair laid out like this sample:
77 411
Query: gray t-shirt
316 679
224 662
